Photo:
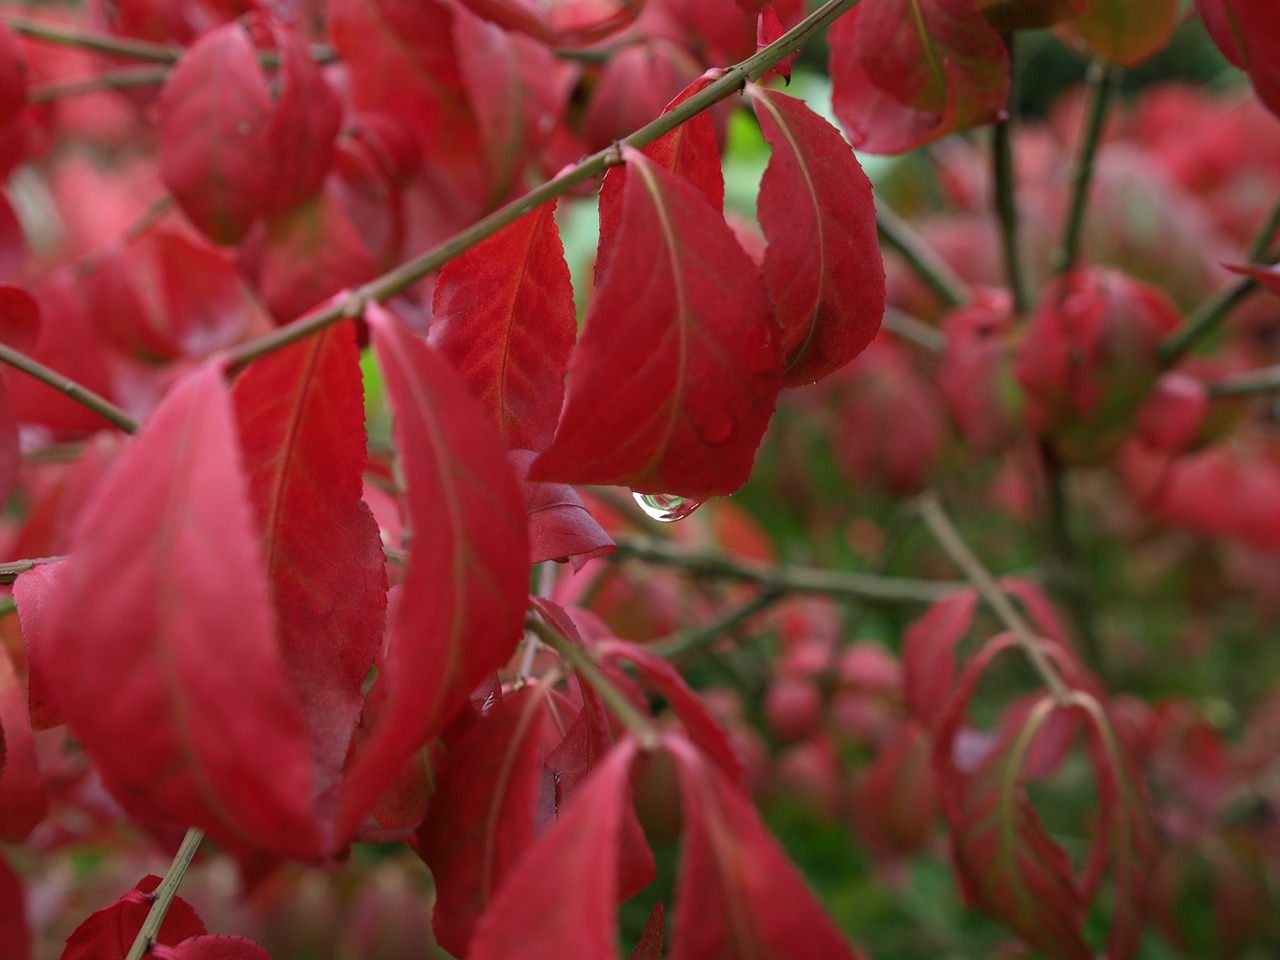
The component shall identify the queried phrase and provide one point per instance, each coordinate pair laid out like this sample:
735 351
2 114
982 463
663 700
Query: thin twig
1262 380
636 722
953 544
88 40
123 79
76 391
10 572
1210 313
898 235
397 280
914 330
1104 80
860 586
1006 199
164 895
692 641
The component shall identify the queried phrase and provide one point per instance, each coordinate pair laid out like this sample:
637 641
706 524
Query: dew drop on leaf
666 507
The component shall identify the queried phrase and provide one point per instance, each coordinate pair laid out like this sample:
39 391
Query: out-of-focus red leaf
23 798
822 264
737 895
13 75
976 377
677 372
896 802
635 85
465 585
494 796
560 526
562 25
1009 866
905 72
654 936
703 729
15 937
929 653
535 919
13 241
19 318
107 934
212 948
1248 35
305 119
10 451
33 592
171 679
1008 15
1125 31
216 136
300 413
503 315
1266 274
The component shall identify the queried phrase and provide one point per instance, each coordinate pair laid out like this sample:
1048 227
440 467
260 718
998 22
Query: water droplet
666 507
717 427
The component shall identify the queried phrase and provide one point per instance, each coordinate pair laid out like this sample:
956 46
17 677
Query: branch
953 544
589 670
690 641
122 79
1104 80
922 258
858 586
98 42
10 572
914 330
1210 313
76 391
164 895
396 281
1005 199
1262 380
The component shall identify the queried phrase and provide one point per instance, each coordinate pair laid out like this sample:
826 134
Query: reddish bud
793 707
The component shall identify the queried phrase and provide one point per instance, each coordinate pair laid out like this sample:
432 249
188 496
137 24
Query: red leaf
215 116
1009 865
503 315
467 577
33 592
15 938
634 85
1126 31
1266 274
737 895
562 26
769 29
823 263
13 75
23 799
653 937
171 679
896 804
560 526
677 372
19 318
537 920
1247 34
702 728
107 934
301 417
212 948
304 122
494 797
896 87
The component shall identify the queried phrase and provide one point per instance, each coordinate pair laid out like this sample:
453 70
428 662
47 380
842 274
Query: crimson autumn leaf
822 264
1247 34
503 315
107 934
19 317
906 72
537 919
1266 274
634 85
33 592
560 526
13 75
1125 31
168 672
23 798
653 937
676 374
737 895
212 948
565 24
15 937
300 414
462 609
929 653
494 796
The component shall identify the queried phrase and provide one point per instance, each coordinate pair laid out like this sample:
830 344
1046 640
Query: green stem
859 586
1006 202
1104 81
640 725
898 235
396 281
124 79
98 42
692 641
1209 314
914 330
10 572
1262 380
953 545
77 392
164 895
